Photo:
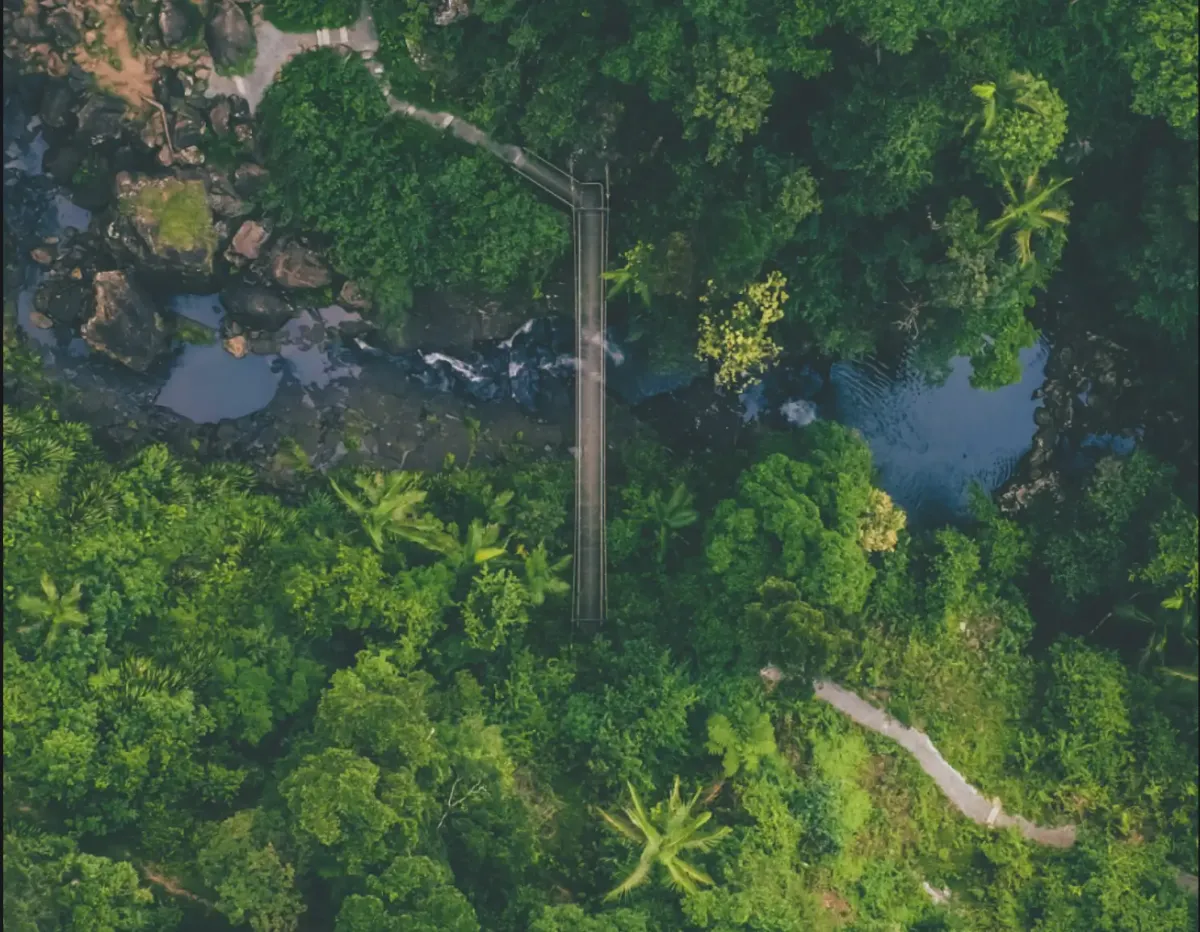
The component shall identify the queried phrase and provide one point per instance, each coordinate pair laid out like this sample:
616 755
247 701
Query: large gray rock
65 300
297 266
64 29
256 307
101 120
125 324
57 104
178 21
248 241
230 36
250 180
188 126
223 199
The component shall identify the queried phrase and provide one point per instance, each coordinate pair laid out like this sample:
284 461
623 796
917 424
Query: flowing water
929 441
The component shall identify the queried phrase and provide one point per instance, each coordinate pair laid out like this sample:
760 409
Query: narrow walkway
968 800
588 203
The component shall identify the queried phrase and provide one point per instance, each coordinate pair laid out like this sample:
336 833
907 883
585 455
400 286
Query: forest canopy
302 723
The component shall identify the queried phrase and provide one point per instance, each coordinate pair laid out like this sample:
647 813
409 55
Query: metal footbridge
588 203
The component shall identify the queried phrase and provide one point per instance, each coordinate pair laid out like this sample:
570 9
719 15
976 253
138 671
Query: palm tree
478 545
679 832
1021 88
389 506
57 612
1026 214
672 515
541 576
1174 616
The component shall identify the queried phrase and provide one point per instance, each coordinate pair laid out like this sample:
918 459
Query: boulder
222 199
352 296
101 120
219 116
450 11
189 155
27 29
167 85
64 30
297 266
250 238
125 324
255 306
188 127
235 346
249 180
65 300
230 36
178 21
164 225
57 104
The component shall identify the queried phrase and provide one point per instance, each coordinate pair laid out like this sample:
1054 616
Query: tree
1022 124
414 894
252 882
672 515
882 524
541 576
1161 56
57 613
799 520
1027 213
677 831
389 506
739 343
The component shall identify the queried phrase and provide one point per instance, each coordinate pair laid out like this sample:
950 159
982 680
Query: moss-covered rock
165 225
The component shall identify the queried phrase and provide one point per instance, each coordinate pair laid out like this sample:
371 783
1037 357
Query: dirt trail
117 67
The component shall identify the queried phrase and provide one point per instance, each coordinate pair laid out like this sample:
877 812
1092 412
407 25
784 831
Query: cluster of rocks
164 221
49 33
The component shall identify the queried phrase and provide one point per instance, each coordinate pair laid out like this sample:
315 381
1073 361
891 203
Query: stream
930 442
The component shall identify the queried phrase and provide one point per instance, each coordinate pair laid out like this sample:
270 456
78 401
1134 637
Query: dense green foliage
869 151
360 705
310 15
401 206
222 708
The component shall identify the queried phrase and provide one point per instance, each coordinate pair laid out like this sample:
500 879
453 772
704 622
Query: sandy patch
118 68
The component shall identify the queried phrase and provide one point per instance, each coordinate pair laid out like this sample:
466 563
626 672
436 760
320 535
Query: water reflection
930 442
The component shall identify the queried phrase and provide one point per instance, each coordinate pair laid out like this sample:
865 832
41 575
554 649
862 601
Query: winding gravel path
968 800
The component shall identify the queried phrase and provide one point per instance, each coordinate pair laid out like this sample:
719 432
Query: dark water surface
930 442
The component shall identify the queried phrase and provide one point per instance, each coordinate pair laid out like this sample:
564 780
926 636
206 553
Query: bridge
588 203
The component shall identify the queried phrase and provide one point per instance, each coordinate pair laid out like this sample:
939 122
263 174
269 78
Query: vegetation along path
589 207
968 800
588 203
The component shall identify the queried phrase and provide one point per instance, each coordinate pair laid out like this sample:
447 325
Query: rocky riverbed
156 288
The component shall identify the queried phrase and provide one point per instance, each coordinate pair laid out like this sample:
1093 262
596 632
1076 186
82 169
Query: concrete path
276 49
968 800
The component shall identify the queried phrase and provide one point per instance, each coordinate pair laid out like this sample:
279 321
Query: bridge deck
590 217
